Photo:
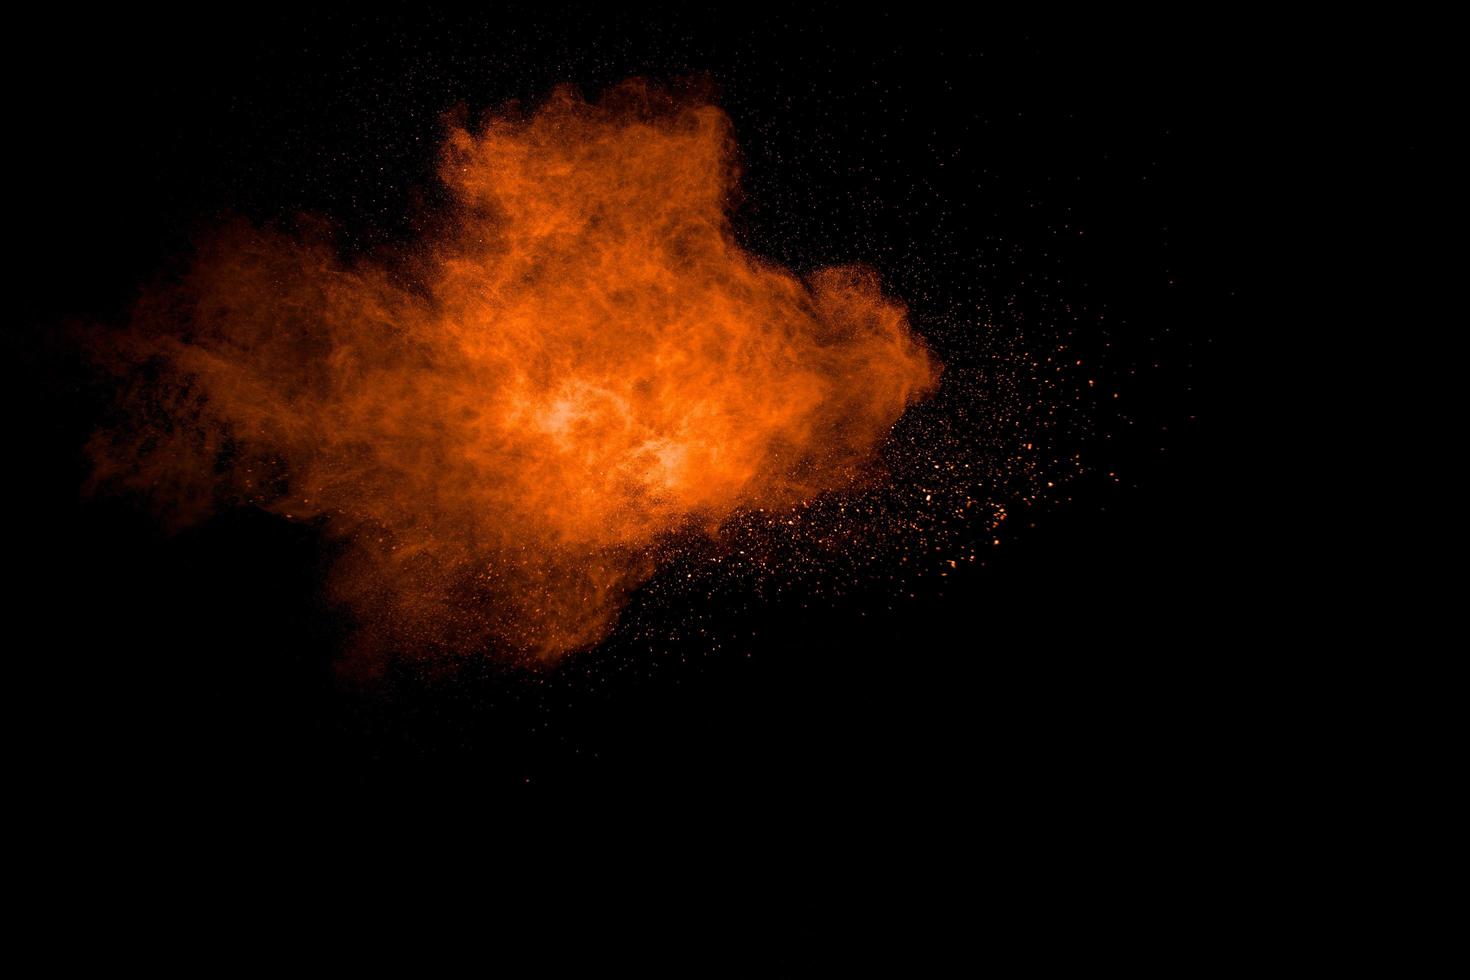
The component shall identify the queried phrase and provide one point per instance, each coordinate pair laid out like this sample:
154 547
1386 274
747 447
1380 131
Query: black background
1109 657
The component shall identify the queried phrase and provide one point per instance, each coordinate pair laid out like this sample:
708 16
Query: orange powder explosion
582 367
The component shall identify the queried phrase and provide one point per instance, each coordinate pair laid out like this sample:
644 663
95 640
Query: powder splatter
503 424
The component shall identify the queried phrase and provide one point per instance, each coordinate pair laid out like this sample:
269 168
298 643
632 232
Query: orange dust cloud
506 424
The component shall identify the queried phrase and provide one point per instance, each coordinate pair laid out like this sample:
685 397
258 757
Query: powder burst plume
582 365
